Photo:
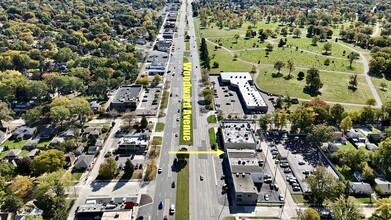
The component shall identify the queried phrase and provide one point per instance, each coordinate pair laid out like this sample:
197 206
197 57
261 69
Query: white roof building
243 81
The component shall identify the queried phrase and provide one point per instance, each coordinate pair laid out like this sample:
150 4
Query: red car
165 217
136 167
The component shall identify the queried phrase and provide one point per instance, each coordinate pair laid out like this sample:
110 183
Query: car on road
201 177
117 157
228 103
284 165
296 188
301 162
165 217
281 197
266 197
269 180
177 119
144 100
159 170
287 170
173 184
172 209
160 205
306 172
176 134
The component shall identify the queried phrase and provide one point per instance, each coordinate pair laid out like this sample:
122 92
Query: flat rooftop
243 161
244 183
127 94
237 132
136 140
241 80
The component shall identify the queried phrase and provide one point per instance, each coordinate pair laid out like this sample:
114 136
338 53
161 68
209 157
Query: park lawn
358 48
385 95
305 44
225 61
211 119
335 86
182 192
212 136
241 44
300 59
159 127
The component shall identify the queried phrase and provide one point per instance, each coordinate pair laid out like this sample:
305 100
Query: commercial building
243 83
133 143
238 135
127 97
246 173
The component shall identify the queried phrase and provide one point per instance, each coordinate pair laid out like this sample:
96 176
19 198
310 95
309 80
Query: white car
172 209
159 170
281 197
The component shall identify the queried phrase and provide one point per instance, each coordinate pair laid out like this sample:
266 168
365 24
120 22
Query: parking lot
149 101
296 160
227 100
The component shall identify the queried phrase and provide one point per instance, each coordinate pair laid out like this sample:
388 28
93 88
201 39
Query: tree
48 161
367 115
297 32
315 39
383 86
99 87
5 112
129 118
278 65
345 209
353 82
129 168
269 47
352 56
264 122
20 186
321 133
236 37
55 183
300 75
383 208
346 123
12 203
108 169
291 67
323 186
301 120
313 83
371 102
309 214
79 107
336 112
327 47
143 122
7 170
24 166
59 114
156 79
253 69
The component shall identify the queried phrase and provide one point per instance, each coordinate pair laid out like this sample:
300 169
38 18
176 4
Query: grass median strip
182 192
212 138
159 127
211 119
164 103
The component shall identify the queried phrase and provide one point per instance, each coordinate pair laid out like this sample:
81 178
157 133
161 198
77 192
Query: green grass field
348 146
182 191
212 119
226 61
13 144
300 59
157 140
241 44
335 87
77 175
159 127
305 44
385 94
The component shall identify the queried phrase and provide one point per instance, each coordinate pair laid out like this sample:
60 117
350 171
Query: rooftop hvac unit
239 162
243 162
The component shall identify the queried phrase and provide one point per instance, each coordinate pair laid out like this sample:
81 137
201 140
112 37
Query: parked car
160 205
136 167
281 197
276 187
266 197
287 170
284 165
173 184
296 188
306 172
301 162
201 177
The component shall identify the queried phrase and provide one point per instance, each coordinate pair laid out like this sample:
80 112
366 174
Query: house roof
33 152
361 188
84 161
24 130
13 153
93 130
47 131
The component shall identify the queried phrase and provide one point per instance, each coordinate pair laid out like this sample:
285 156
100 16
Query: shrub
327 62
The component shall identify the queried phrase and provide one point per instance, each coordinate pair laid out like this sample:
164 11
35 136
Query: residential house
31 144
70 159
99 142
92 150
47 133
12 154
384 184
95 106
332 147
33 153
84 162
360 188
23 132
79 150
95 131
57 140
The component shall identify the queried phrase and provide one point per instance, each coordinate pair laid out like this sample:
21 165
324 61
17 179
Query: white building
249 95
238 135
